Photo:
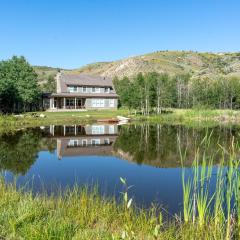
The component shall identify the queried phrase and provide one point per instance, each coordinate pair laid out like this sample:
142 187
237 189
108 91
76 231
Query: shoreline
185 117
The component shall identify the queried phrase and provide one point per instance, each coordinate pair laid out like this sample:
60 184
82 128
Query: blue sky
71 33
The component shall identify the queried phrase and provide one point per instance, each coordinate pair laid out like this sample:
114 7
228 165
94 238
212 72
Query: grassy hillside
172 62
44 73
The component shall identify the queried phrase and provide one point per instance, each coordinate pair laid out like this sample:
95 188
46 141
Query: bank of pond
109 181
188 117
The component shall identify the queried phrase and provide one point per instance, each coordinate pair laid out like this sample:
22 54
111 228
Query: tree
164 89
50 85
234 92
183 90
154 91
8 91
123 87
18 85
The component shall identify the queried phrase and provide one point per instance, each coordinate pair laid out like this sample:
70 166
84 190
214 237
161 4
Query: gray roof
83 80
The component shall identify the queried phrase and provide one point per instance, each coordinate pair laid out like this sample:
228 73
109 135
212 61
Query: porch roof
85 95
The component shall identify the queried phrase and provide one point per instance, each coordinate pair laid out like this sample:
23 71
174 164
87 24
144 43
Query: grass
84 214
74 214
189 117
11 122
195 117
221 207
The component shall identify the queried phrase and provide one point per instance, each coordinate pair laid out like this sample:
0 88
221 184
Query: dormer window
96 90
72 88
106 90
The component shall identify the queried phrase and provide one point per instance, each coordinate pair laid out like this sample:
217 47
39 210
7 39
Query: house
82 91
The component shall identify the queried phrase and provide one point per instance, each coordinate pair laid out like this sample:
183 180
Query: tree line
19 89
153 92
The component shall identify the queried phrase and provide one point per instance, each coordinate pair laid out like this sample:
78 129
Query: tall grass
220 208
74 214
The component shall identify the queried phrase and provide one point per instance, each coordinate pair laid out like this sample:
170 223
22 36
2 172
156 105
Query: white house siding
95 103
107 129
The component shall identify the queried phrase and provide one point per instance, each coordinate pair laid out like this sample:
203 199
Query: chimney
58 80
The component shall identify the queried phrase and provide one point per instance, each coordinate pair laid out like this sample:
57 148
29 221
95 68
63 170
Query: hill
171 62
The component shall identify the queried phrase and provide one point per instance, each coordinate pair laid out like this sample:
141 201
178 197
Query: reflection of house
84 140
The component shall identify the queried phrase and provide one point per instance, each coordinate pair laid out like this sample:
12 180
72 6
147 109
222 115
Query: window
84 142
95 142
69 129
70 102
72 89
97 102
111 102
84 89
97 90
106 90
98 129
106 141
111 129
73 143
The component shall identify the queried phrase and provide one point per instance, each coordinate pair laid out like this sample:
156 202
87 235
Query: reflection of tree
49 144
158 145
18 152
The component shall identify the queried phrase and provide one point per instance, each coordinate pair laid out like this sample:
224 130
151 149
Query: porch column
64 102
52 129
75 103
64 130
75 129
50 103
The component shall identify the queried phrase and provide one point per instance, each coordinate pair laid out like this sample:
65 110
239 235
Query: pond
50 158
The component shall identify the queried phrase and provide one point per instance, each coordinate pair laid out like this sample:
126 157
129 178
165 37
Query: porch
67 103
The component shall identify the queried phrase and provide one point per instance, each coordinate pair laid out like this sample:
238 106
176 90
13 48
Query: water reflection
158 145
19 151
153 145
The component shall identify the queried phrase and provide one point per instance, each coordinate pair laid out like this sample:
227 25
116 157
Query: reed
219 209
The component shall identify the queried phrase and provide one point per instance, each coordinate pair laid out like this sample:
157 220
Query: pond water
53 157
